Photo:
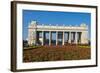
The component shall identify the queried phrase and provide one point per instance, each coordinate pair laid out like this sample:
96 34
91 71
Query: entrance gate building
56 35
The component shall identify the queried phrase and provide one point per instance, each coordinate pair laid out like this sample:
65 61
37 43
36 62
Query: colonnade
70 36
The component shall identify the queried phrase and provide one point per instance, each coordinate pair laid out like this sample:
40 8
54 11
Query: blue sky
53 18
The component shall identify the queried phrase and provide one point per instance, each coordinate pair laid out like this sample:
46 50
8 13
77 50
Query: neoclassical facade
56 35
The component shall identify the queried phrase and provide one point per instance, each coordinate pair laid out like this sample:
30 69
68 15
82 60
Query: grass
35 47
85 46
32 47
56 53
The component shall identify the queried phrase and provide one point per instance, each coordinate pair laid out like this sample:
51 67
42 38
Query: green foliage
34 47
86 46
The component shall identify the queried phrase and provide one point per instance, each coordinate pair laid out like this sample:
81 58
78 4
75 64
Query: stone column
76 37
84 37
32 37
56 37
84 34
42 37
69 41
63 38
35 37
49 38
32 33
